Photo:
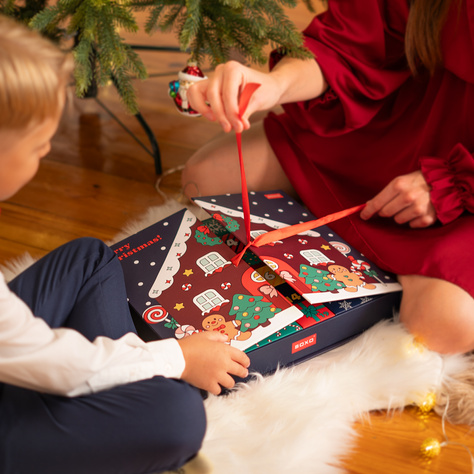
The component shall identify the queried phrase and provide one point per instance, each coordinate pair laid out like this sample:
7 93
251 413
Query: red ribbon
284 232
247 93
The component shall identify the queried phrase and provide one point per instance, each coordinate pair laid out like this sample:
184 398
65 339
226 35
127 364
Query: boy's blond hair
33 72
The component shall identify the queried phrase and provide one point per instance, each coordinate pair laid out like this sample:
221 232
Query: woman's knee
213 169
439 313
193 176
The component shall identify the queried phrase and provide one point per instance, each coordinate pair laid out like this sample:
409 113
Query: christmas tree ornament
178 89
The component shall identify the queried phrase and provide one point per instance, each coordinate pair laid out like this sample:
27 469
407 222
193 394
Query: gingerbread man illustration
217 322
350 279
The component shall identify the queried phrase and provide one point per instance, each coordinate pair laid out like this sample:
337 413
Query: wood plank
390 443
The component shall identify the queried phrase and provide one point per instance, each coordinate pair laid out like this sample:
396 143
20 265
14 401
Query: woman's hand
217 97
291 80
406 199
210 362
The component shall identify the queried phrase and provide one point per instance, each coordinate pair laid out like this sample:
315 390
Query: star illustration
178 306
325 247
188 272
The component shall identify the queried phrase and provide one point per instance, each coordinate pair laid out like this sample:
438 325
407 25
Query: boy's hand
406 199
210 362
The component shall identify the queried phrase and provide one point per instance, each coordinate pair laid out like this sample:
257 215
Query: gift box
283 303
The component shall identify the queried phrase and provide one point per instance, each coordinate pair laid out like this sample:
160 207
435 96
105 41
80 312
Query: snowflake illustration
365 299
345 305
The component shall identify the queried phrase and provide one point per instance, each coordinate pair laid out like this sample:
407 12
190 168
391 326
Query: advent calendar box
283 303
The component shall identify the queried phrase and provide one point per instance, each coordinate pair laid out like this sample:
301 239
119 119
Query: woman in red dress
383 115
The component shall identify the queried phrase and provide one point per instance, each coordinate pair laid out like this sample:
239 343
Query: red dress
376 122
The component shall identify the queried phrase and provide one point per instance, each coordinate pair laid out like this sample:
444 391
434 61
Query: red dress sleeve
360 49
452 183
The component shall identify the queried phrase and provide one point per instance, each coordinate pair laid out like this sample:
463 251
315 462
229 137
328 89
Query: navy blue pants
143 427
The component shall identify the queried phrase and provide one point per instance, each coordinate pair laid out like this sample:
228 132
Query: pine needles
215 28
210 29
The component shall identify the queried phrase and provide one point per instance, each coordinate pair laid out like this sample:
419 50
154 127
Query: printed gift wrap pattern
180 279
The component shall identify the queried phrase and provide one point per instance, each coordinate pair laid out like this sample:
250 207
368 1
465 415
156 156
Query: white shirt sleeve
62 361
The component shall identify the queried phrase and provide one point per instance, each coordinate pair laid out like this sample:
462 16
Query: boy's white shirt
64 362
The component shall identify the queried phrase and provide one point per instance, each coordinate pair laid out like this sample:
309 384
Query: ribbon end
245 96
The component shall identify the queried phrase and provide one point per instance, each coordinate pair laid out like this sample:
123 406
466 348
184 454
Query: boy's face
20 154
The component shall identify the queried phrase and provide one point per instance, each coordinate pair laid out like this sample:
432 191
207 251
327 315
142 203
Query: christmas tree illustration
319 279
251 311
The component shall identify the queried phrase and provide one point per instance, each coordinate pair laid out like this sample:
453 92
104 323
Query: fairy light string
284 232
431 447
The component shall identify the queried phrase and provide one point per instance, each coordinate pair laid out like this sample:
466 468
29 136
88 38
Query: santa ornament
178 89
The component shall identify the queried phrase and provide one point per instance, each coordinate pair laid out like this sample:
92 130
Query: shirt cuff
452 183
168 358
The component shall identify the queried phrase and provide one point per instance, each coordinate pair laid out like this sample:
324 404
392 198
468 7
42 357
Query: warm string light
427 404
430 448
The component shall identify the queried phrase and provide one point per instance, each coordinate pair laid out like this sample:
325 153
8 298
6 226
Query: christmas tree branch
211 29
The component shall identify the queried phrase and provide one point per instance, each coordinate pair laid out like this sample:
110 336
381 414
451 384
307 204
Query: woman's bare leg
439 313
215 169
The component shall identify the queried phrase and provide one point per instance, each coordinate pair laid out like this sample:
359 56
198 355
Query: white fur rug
270 424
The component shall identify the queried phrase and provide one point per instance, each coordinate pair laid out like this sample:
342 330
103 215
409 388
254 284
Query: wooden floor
97 177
